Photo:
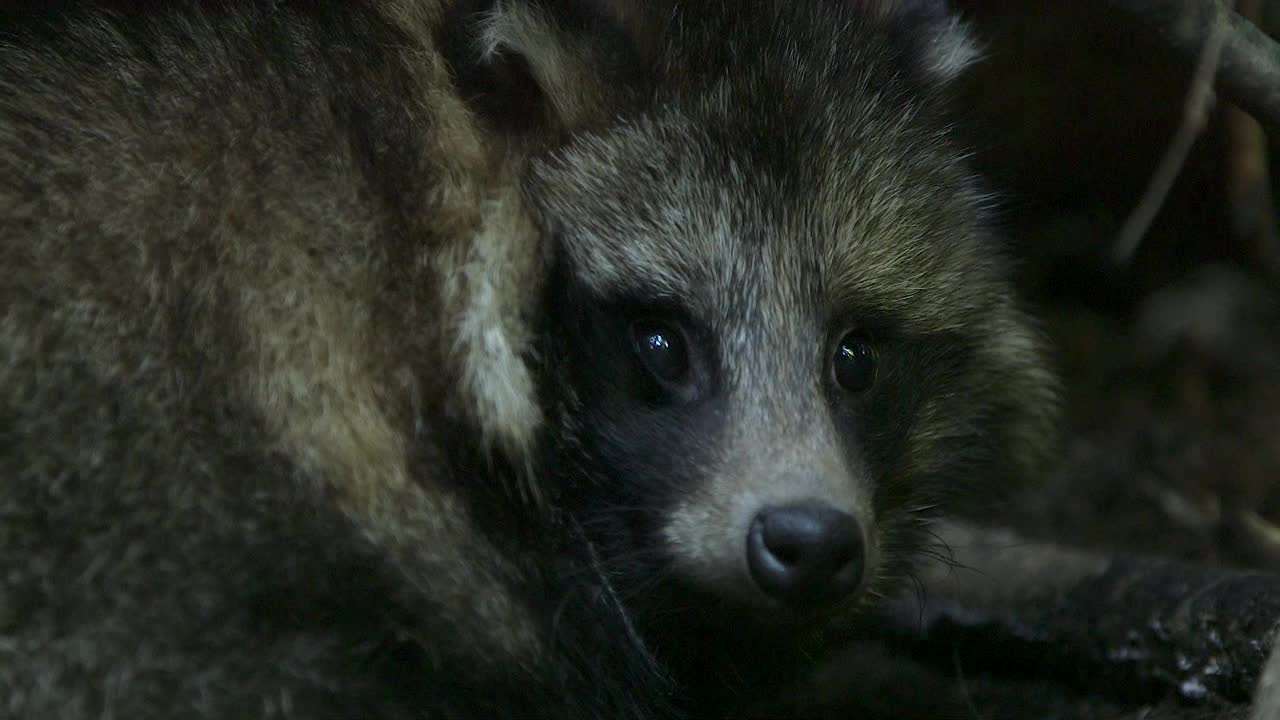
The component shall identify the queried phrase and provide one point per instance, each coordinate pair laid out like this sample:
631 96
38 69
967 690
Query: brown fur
280 380
229 364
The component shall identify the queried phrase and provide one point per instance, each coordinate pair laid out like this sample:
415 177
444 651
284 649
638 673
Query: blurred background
1171 362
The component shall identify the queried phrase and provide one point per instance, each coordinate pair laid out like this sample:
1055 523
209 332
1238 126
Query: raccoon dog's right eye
662 350
854 363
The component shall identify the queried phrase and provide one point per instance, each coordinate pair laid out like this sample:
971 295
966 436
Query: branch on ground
1130 627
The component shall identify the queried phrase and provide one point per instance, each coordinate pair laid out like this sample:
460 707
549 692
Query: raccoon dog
412 358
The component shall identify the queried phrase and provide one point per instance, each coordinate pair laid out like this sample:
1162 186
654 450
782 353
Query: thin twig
1249 74
1195 114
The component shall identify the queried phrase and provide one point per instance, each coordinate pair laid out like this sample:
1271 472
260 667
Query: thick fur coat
310 400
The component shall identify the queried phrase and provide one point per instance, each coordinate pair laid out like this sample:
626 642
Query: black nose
805 554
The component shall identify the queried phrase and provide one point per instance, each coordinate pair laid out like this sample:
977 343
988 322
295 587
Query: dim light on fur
489 358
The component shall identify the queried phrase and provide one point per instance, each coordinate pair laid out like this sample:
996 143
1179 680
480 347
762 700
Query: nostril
787 554
843 555
805 552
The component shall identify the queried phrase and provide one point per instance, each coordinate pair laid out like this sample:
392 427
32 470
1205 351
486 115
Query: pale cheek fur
706 533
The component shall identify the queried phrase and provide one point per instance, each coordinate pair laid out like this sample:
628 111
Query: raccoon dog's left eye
854 364
662 350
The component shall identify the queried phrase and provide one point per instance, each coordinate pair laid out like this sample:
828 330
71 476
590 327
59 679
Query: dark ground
1171 365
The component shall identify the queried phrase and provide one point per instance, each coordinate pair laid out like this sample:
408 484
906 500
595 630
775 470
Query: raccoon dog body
425 359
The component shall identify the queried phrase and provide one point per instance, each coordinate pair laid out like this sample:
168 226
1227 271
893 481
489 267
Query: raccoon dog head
777 333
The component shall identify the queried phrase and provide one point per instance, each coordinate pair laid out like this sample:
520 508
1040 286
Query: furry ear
948 45
540 65
951 49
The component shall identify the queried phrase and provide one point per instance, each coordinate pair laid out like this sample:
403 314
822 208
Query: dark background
1171 363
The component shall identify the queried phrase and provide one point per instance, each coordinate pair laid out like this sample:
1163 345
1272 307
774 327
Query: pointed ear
534 66
952 49
947 44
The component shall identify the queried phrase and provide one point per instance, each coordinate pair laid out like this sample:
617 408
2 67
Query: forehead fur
794 154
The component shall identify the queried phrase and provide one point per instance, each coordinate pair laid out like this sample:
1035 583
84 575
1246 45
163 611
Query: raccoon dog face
778 331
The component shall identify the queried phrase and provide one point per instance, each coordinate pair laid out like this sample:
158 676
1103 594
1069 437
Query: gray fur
781 230
277 376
